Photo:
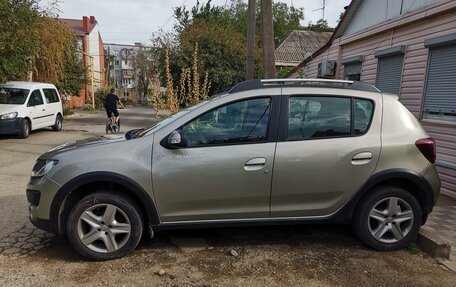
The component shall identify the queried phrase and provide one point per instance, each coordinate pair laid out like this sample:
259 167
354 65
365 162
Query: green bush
67 111
100 96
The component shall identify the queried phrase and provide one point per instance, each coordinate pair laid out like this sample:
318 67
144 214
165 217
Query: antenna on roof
322 8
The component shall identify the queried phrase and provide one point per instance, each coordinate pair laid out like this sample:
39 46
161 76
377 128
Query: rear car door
53 104
329 147
224 172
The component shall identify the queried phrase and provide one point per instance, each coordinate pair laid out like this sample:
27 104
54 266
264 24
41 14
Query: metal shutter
352 69
390 73
440 93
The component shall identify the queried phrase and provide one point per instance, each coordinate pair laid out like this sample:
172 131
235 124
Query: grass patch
413 248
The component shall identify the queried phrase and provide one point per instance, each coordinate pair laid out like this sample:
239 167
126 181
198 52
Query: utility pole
268 40
92 75
251 40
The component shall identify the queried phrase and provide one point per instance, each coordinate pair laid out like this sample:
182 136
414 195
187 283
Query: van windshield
13 96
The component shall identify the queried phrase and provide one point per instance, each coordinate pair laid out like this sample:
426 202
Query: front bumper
9 127
40 194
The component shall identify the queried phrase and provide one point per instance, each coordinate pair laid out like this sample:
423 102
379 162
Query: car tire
104 225
387 218
58 123
25 126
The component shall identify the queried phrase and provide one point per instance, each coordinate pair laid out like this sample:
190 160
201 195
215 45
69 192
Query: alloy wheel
390 220
104 228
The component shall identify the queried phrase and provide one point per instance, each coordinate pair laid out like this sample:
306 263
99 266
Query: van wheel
104 226
58 123
388 218
24 131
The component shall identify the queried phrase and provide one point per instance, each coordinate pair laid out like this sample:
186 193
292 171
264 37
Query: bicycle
111 125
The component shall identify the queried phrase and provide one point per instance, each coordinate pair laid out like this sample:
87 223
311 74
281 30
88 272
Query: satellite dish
307 55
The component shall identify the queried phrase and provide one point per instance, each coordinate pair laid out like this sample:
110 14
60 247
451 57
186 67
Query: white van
27 106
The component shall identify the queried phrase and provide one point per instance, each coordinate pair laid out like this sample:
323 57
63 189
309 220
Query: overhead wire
172 15
387 35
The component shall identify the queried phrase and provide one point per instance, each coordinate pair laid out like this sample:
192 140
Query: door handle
44 110
362 158
255 164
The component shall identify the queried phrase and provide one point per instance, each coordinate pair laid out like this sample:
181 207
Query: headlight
9 116
42 167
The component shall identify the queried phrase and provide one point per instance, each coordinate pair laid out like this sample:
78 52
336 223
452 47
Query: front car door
329 147
225 170
36 109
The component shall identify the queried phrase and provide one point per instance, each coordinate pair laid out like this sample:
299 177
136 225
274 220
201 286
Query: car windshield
12 96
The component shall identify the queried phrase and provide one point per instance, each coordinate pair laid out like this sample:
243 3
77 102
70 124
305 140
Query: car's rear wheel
104 226
388 218
58 123
24 131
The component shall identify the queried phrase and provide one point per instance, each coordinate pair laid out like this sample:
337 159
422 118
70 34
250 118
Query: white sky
126 22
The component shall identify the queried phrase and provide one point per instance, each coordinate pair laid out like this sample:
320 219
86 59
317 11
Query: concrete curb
432 244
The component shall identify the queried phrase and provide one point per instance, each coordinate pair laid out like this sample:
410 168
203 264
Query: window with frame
244 121
51 96
440 92
352 71
389 73
35 99
327 117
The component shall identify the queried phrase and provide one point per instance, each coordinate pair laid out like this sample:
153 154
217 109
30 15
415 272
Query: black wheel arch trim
73 184
345 214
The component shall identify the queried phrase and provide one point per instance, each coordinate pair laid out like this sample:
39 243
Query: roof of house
338 31
76 25
293 49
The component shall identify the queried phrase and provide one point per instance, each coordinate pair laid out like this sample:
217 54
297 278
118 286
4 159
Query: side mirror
176 140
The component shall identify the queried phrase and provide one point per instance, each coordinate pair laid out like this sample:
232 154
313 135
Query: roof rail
327 83
267 81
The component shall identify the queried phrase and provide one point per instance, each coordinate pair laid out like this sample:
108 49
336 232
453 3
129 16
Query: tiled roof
76 26
292 50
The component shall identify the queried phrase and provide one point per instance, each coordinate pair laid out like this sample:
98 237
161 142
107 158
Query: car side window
363 111
239 122
51 96
35 99
319 117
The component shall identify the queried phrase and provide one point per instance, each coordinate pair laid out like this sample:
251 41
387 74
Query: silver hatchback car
267 151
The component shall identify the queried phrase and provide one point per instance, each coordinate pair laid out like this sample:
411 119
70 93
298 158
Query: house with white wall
92 53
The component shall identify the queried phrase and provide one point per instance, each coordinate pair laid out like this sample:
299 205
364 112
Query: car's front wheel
24 128
104 226
388 218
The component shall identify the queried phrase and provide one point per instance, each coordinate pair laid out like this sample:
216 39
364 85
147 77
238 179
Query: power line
172 15
397 25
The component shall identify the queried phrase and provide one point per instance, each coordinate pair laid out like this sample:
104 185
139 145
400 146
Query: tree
19 38
286 19
58 59
145 67
223 57
320 26
33 42
221 33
